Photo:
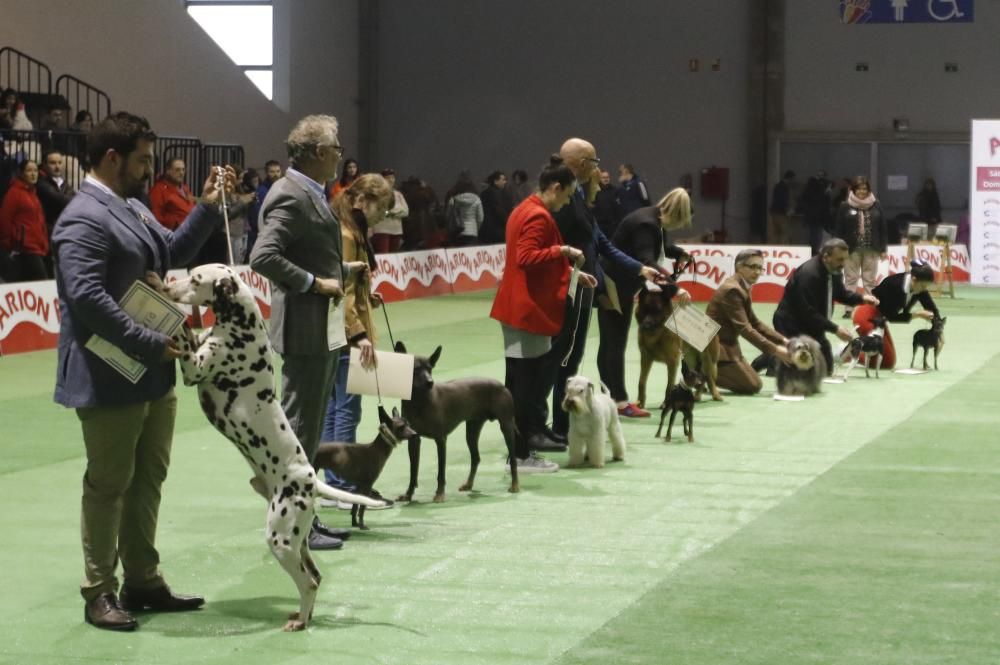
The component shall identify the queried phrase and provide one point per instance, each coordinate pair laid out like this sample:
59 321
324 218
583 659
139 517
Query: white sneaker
326 503
534 463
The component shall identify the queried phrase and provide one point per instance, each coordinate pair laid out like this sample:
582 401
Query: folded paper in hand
391 377
336 329
693 326
148 308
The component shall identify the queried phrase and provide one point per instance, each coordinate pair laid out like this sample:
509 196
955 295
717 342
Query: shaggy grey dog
805 375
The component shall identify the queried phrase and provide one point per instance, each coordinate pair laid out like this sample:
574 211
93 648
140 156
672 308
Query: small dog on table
929 338
593 417
871 346
681 398
805 375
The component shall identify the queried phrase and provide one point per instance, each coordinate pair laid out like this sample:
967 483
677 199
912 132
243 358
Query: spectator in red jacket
171 199
530 303
22 225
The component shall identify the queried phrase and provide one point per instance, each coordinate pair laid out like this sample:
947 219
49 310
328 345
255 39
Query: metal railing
81 96
223 153
23 73
188 148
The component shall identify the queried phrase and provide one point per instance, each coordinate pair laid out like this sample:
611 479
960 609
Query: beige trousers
128 452
861 263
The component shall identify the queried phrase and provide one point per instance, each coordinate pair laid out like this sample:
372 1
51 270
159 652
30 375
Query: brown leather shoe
160 599
104 612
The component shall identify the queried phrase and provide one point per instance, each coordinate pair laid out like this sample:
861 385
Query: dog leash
576 324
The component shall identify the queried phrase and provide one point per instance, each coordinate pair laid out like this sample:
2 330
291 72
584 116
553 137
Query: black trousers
614 329
571 342
524 381
29 268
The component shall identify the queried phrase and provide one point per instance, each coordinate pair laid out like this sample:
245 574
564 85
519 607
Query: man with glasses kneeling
731 308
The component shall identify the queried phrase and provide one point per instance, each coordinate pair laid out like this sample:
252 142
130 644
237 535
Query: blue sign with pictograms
906 11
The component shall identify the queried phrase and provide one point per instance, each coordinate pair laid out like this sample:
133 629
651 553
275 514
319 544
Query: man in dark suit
103 242
731 308
299 249
579 229
807 305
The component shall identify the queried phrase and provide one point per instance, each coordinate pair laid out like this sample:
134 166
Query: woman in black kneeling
897 294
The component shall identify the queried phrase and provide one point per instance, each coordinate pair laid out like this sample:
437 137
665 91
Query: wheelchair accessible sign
906 11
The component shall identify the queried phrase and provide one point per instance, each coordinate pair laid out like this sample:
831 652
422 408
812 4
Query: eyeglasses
757 267
593 160
338 148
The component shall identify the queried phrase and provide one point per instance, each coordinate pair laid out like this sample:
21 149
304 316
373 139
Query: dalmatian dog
593 417
231 365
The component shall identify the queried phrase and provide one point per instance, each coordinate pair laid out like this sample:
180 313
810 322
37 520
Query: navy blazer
579 229
100 249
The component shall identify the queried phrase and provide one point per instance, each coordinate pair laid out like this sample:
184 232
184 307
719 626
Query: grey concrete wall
906 76
153 59
470 84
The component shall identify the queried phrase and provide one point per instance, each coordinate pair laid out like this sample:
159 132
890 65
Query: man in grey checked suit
104 241
299 249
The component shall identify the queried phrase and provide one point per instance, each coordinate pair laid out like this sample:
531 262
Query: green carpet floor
855 527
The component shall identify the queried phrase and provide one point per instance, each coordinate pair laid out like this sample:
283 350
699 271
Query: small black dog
871 345
361 463
682 398
929 338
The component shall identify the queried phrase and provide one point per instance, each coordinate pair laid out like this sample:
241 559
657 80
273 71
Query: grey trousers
306 382
128 452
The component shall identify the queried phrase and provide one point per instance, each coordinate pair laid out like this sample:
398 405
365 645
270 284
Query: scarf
861 204
864 218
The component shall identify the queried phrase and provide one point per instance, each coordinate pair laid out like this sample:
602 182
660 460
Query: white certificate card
150 309
336 331
693 326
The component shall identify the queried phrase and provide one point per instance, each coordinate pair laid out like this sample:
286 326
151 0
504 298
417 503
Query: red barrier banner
29 311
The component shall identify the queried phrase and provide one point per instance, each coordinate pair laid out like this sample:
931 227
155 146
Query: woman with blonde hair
642 235
359 206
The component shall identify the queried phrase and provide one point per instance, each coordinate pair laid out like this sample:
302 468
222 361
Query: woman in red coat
530 303
22 225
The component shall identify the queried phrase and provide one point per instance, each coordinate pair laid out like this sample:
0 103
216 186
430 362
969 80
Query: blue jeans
343 413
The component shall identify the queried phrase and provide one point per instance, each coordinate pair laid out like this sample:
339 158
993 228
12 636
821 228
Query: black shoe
541 443
760 363
558 438
330 532
104 612
160 599
848 314
318 541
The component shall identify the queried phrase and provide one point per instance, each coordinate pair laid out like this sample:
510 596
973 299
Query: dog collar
387 433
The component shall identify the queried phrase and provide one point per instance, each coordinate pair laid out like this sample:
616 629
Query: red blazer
532 292
22 222
171 204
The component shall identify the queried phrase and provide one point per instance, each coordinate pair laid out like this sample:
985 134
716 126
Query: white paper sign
693 326
984 203
148 308
392 376
897 183
574 278
336 331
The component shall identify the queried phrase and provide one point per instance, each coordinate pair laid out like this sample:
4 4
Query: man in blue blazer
104 241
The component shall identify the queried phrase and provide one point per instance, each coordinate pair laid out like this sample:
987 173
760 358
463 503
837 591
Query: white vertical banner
984 203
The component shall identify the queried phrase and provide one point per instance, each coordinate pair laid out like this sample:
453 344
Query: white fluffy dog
593 416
